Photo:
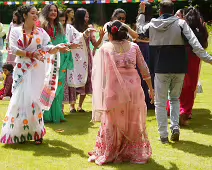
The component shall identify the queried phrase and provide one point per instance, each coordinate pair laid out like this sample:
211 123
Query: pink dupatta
109 89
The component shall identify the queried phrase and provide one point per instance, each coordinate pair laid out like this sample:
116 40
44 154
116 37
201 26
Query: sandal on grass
39 141
81 110
73 111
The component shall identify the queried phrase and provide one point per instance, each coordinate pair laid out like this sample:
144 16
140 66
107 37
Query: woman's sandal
39 141
22 142
73 111
81 110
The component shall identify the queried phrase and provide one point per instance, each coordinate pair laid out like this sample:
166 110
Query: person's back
168 60
167 45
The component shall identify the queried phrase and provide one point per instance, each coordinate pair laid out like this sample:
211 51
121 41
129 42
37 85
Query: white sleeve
140 22
73 35
13 39
196 46
69 33
46 44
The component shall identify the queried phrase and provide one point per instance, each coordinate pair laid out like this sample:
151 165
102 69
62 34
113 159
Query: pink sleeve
142 66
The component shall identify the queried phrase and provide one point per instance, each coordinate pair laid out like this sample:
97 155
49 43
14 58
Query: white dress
24 117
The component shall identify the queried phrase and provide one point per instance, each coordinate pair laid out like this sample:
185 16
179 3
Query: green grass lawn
68 150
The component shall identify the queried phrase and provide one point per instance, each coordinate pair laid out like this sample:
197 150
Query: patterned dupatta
78 76
109 89
52 67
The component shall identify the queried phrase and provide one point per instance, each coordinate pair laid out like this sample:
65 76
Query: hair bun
117 30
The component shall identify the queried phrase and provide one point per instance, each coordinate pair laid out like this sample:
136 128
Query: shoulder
106 47
41 30
16 30
134 45
106 24
69 26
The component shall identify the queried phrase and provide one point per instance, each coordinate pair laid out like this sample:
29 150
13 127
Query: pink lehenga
118 99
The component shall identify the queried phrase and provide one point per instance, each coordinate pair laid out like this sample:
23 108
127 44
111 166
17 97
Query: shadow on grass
77 123
53 148
201 121
151 165
194 148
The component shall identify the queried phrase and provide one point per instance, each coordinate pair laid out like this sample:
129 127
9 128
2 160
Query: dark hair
117 30
62 14
8 67
24 10
17 14
68 10
195 21
116 12
166 7
45 22
79 20
148 12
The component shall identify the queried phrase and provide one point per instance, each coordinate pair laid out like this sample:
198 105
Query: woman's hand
54 50
38 56
152 96
142 6
101 32
63 48
88 31
74 46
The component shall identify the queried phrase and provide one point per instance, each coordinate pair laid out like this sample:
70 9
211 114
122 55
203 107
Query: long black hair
45 21
195 21
19 18
68 10
148 12
79 20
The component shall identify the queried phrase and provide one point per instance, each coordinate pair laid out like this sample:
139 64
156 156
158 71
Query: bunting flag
80 2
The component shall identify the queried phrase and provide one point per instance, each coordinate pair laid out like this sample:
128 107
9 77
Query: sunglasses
121 18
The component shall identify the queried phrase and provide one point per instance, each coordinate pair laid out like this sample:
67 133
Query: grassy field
68 150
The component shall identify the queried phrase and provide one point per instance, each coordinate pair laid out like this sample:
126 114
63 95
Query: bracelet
32 55
28 54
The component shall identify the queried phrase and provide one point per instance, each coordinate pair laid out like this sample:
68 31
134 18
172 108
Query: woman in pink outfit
119 97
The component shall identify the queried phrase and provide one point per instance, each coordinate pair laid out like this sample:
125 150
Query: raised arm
193 41
140 22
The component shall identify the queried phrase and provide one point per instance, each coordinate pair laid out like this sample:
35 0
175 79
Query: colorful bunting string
78 2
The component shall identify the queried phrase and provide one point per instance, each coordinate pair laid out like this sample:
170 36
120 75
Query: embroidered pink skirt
122 136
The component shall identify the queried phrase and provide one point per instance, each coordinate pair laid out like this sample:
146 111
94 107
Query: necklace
52 33
25 38
120 45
